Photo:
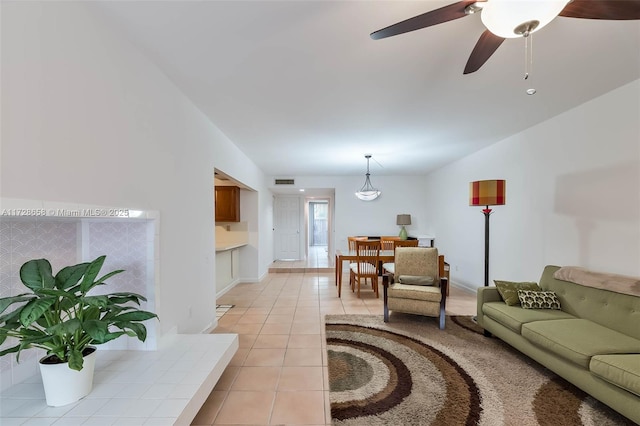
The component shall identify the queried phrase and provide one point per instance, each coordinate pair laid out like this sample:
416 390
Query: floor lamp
487 193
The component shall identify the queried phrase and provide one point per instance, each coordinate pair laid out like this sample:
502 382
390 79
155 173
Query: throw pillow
509 290
538 299
416 279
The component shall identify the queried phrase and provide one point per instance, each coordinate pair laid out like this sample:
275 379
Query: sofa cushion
621 370
509 290
577 340
513 317
416 292
538 299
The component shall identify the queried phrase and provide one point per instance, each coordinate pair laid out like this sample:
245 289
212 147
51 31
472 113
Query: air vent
285 182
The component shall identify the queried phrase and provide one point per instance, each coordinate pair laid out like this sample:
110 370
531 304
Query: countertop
228 246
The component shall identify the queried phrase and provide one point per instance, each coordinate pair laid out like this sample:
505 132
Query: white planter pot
63 385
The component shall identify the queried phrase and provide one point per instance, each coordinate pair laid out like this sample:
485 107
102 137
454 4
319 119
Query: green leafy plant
59 316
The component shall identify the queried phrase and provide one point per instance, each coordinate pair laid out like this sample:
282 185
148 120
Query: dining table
351 255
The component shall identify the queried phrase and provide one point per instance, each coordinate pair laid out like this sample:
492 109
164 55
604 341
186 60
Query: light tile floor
279 374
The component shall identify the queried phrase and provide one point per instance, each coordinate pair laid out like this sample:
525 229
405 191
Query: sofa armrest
488 294
485 294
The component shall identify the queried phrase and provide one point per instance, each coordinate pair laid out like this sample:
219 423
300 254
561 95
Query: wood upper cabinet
227 203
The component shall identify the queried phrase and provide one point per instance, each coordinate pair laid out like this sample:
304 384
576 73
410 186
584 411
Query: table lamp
402 220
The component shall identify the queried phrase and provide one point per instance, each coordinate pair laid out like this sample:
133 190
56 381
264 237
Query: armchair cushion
415 292
416 279
415 306
416 261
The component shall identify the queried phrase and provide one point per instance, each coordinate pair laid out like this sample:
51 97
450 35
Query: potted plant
59 316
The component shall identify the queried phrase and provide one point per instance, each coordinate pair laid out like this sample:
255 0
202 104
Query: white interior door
287 212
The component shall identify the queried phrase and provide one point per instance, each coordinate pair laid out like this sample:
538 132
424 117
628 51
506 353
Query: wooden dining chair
389 267
352 242
367 265
352 248
387 242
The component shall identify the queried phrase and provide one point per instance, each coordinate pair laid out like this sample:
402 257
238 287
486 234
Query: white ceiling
301 88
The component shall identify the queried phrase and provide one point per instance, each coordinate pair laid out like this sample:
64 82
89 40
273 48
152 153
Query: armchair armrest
444 290
385 296
444 287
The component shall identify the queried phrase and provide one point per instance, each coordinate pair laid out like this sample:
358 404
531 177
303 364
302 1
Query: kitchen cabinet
227 269
227 203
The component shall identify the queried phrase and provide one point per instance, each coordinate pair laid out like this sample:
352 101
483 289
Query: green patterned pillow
509 290
538 299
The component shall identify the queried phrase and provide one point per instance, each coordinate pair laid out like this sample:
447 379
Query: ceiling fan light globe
502 17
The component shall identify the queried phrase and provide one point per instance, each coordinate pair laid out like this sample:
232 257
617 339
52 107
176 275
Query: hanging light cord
367 182
528 60
528 54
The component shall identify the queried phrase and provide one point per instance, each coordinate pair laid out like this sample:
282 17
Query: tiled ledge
163 387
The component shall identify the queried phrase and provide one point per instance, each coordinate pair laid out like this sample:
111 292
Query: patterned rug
408 372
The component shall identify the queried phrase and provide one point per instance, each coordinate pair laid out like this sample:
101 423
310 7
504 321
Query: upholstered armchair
417 286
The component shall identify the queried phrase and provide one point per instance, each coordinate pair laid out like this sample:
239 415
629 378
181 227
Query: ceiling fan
512 18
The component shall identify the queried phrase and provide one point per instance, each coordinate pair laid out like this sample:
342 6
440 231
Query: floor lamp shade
487 193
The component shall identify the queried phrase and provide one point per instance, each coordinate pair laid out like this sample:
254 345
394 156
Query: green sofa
592 342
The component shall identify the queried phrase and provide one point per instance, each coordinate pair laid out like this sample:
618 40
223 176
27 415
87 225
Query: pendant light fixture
368 192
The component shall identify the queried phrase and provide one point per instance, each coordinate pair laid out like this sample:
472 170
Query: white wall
87 119
400 194
573 196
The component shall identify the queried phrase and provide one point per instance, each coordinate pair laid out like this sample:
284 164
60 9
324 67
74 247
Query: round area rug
408 372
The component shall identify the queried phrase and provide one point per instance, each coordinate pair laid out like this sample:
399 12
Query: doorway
303 230
318 225
286 223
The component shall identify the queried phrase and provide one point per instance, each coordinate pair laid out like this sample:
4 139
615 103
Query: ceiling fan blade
434 17
602 9
484 48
